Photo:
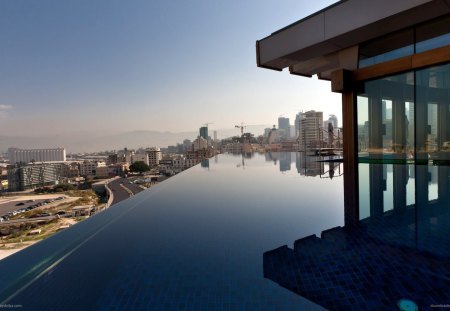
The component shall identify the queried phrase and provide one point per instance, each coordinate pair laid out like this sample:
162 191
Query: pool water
194 242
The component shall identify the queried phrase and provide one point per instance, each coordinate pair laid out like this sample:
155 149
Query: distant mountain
91 142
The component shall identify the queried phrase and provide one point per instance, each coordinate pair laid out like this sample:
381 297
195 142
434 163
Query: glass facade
386 118
404 157
418 39
405 117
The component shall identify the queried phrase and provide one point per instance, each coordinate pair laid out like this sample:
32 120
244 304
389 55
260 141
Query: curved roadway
122 189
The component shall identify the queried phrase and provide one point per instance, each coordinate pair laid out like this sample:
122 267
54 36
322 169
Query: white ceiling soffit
341 26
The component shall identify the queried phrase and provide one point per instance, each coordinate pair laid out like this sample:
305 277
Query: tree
139 167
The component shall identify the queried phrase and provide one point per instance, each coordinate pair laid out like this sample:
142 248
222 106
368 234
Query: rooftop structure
391 62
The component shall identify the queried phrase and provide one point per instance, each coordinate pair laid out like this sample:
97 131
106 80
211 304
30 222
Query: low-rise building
118 169
87 168
102 172
182 162
140 157
29 176
166 165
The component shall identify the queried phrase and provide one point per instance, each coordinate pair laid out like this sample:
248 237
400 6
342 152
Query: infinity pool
193 242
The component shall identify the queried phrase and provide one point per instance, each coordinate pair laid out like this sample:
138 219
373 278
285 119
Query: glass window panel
386 48
364 191
433 43
387 124
432 127
411 187
409 115
388 193
432 113
433 35
384 109
432 183
363 125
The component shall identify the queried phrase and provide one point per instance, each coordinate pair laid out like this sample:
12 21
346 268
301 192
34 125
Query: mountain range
91 142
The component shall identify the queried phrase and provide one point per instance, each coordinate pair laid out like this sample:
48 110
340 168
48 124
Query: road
117 187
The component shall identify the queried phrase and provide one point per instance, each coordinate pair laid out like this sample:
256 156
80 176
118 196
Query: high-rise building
298 121
204 132
17 155
283 124
199 144
333 119
154 155
311 129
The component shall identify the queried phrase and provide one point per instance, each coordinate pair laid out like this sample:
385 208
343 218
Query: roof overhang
328 40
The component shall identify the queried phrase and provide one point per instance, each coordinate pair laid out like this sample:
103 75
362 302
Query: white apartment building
199 144
140 157
17 155
154 155
184 163
87 168
311 129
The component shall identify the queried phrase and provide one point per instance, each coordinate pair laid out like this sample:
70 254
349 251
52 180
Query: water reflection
309 165
205 163
306 165
399 249
192 242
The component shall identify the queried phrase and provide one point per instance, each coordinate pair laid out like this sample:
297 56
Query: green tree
139 167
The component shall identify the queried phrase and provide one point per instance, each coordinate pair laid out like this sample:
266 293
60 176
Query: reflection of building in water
403 236
205 163
285 161
334 169
308 165
272 157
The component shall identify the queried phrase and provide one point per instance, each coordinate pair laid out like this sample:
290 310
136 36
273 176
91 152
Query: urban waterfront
193 242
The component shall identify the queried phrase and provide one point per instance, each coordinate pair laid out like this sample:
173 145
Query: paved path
122 189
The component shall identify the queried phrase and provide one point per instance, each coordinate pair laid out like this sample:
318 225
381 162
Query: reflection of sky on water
195 240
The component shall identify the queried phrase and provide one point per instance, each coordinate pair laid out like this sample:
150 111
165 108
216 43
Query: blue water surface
193 242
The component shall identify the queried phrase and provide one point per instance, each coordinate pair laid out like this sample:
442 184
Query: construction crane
208 123
242 126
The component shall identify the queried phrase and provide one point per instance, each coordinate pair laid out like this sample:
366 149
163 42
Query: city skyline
113 67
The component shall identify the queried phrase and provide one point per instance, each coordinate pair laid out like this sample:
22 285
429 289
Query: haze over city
235 155
109 67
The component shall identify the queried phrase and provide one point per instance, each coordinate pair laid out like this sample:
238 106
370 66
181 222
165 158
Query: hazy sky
147 65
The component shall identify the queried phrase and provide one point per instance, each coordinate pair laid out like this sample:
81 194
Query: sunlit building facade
17 155
31 176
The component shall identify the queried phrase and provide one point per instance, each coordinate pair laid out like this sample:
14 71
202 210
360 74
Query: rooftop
328 39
